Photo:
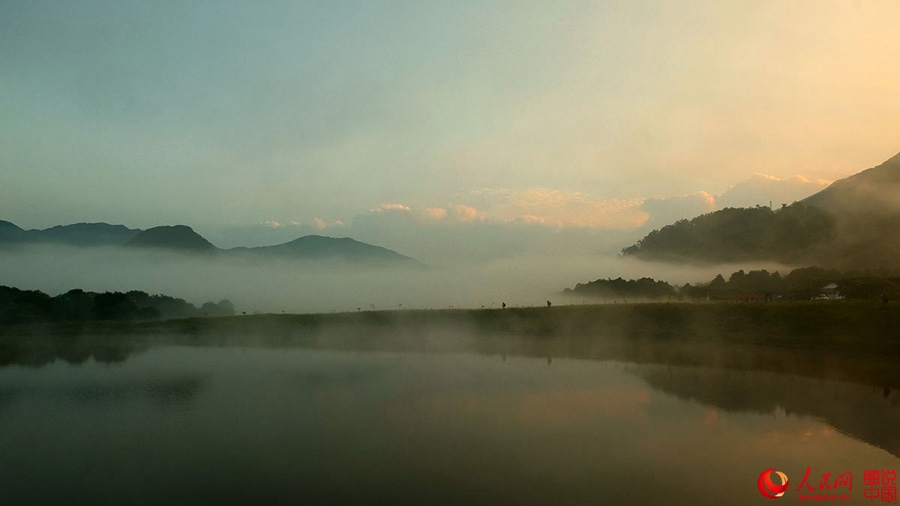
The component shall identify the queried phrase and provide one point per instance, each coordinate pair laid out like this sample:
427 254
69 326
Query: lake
173 424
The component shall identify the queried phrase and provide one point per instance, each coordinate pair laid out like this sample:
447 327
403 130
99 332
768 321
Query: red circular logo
768 488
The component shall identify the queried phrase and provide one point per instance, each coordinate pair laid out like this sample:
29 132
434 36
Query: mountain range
78 234
854 223
184 239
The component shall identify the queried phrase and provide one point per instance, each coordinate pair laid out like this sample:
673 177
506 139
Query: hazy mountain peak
317 247
175 237
872 191
894 160
853 222
183 238
87 234
8 225
76 234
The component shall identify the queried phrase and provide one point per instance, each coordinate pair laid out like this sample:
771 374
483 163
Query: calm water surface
191 425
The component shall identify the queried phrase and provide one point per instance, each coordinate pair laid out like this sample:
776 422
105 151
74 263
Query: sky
395 121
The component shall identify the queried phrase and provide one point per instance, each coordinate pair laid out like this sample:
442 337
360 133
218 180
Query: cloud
559 208
436 213
761 189
390 207
499 222
321 224
708 198
768 177
317 223
466 213
414 214
662 212
487 225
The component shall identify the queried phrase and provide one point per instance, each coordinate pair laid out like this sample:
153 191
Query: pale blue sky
237 113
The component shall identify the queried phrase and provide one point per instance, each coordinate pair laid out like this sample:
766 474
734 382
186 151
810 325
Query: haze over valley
486 264
629 252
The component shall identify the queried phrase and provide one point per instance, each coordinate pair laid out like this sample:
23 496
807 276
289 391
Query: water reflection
869 413
163 391
40 350
234 425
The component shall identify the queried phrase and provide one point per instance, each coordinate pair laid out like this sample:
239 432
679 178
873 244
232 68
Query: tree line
790 234
644 288
33 306
799 284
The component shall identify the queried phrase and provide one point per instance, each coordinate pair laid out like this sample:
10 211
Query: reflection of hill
163 392
40 350
848 341
855 393
729 356
869 413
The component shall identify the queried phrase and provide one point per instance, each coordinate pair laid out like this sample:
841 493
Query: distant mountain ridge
10 232
175 237
853 223
320 247
183 239
76 234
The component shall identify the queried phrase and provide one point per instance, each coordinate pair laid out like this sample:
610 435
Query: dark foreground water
193 425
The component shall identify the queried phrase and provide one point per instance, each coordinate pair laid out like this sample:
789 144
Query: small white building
829 292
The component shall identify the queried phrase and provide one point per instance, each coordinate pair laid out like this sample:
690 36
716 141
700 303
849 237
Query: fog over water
274 285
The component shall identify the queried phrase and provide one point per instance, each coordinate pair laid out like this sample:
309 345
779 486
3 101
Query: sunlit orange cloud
796 178
766 176
437 213
459 213
390 207
295 223
533 219
466 213
321 224
560 208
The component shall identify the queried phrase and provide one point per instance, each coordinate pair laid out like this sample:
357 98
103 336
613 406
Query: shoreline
850 341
